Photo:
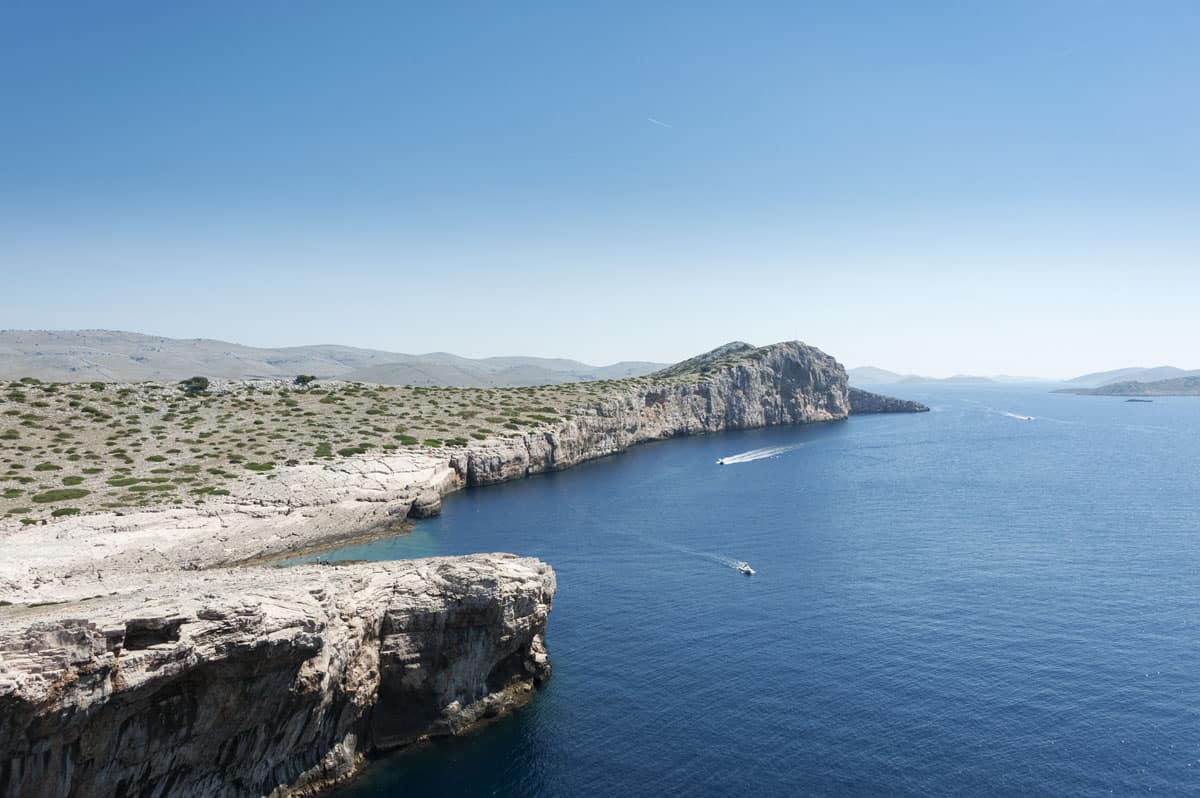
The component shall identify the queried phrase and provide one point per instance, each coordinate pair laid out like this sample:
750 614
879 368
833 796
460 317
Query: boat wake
1016 416
757 454
728 562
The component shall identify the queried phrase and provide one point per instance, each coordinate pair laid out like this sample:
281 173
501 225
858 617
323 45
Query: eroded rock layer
263 681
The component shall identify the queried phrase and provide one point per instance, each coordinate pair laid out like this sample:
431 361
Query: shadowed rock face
212 688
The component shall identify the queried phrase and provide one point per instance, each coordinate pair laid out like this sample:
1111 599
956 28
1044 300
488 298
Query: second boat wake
757 454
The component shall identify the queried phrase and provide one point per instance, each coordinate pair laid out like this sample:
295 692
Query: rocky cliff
263 681
737 386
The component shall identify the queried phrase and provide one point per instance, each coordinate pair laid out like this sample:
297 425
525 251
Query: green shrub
61 511
47 467
407 440
154 487
324 449
60 495
267 466
72 480
194 386
432 442
122 482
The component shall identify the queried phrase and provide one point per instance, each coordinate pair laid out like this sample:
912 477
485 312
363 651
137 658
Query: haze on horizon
931 189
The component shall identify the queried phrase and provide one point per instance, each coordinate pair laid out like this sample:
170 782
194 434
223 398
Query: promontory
148 646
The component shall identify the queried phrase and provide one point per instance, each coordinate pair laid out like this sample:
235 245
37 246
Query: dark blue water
960 602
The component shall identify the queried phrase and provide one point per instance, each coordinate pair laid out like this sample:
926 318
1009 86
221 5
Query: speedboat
745 568
720 461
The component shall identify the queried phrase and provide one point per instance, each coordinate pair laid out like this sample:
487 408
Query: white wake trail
728 562
757 454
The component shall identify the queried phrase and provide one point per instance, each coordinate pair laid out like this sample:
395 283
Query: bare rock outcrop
864 403
261 681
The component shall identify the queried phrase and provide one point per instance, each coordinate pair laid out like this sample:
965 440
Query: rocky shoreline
264 681
141 610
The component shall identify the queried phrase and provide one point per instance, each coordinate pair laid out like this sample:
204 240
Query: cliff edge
259 681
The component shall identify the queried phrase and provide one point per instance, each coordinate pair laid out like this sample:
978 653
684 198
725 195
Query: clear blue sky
934 187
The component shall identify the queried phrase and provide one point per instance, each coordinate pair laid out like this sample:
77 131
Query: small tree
304 379
194 386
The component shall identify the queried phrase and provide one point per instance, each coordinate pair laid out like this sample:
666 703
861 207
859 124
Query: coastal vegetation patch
110 446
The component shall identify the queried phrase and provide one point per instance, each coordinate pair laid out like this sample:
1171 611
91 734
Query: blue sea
999 597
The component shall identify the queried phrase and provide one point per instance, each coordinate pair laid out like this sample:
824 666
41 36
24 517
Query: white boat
745 568
720 461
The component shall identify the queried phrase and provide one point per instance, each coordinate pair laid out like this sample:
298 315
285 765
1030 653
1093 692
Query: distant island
1115 382
871 375
1132 374
1180 386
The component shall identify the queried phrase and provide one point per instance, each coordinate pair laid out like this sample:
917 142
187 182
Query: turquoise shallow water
959 602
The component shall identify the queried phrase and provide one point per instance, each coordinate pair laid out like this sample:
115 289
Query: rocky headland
263 681
128 629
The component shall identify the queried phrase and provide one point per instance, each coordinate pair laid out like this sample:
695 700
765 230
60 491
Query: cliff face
735 387
263 681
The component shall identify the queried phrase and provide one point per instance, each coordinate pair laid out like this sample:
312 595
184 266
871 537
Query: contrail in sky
654 121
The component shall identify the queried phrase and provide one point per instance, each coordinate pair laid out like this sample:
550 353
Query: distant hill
916 379
110 356
870 375
1180 386
1132 374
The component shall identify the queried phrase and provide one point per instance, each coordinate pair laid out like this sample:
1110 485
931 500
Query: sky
948 187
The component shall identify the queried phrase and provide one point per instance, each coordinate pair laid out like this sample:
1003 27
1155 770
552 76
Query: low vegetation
82 447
